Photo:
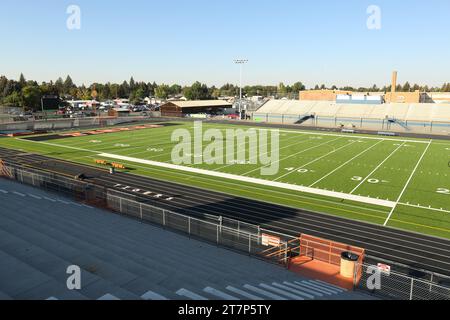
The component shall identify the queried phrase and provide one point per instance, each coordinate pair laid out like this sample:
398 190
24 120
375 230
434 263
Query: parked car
233 116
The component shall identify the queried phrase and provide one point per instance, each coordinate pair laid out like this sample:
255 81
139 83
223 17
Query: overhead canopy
200 104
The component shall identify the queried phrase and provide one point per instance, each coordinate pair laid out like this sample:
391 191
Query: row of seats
401 111
286 290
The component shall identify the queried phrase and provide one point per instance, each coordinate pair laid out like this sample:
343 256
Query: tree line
28 93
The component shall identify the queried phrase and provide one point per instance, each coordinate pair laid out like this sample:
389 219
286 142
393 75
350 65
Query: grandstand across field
414 117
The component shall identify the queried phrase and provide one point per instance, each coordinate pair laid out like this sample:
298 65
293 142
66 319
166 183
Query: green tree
31 97
67 85
137 96
282 90
406 87
297 87
162 91
59 85
13 99
22 81
175 89
197 91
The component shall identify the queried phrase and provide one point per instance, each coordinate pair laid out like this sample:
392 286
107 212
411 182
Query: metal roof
201 103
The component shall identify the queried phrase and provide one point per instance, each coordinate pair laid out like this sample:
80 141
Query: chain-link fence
233 234
399 286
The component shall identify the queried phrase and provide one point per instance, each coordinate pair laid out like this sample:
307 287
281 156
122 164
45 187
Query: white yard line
345 163
317 159
370 174
292 155
423 207
255 156
407 183
332 194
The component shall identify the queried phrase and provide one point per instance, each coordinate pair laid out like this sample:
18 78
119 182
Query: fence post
259 234
140 210
411 292
164 217
355 274
285 256
217 234
120 205
431 281
250 244
239 229
189 226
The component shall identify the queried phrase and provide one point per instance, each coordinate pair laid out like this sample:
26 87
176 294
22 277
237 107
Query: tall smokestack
394 82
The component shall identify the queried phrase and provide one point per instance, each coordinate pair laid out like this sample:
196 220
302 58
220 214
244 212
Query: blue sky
181 41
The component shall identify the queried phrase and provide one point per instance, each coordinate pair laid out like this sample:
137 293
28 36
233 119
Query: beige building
321 95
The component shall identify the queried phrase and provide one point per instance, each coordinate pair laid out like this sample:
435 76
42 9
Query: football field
398 182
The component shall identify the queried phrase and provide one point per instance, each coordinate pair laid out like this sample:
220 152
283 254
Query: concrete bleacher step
153 244
4 296
80 241
333 290
329 285
188 294
140 286
130 219
219 294
305 288
150 295
84 233
100 288
108 297
264 293
317 287
55 273
244 294
281 292
297 292
35 235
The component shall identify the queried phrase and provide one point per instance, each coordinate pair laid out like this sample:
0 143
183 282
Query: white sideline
333 194
349 136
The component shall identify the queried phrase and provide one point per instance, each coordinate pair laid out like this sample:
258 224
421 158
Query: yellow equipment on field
103 162
118 165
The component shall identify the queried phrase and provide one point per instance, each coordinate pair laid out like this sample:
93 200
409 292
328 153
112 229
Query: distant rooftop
201 103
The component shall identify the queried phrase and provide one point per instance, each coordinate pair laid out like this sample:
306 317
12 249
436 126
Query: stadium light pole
240 62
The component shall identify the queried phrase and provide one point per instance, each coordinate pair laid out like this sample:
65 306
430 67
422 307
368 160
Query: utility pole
240 62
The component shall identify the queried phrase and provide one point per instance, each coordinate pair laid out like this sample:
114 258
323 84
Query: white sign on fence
268 240
384 268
